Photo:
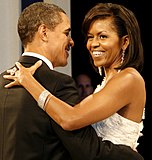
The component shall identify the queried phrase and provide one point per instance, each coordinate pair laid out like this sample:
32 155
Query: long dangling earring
122 58
100 70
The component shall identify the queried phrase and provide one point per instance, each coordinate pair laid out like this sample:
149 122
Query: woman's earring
122 58
100 70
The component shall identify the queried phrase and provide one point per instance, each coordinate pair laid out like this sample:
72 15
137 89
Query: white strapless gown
118 129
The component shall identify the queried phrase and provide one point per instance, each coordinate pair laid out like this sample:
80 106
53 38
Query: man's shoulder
61 77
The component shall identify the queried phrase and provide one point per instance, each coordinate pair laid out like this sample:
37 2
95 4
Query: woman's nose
95 43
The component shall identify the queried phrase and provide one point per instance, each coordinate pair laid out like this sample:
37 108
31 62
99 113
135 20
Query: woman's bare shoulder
132 74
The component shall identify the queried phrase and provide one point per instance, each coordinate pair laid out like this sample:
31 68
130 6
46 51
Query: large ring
12 71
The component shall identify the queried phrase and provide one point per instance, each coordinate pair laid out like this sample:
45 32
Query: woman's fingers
11 84
12 71
18 65
31 69
9 77
38 64
35 66
18 73
12 77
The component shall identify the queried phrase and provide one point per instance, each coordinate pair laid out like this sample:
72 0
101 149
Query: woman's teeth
97 53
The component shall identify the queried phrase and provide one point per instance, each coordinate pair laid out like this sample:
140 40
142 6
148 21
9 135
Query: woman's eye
102 36
89 37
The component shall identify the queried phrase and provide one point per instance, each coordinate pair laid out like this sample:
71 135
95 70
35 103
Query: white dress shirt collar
40 57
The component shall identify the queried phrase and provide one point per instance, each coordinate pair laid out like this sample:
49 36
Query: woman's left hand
19 73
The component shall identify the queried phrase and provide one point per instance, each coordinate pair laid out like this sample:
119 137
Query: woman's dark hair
126 24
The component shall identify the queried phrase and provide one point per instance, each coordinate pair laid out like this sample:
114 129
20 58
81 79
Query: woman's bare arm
94 108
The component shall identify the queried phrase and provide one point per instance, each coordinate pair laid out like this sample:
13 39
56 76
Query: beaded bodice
119 130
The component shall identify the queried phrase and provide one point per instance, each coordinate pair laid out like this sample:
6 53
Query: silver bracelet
42 99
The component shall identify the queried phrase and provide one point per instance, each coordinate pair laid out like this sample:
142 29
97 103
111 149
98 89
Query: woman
116 108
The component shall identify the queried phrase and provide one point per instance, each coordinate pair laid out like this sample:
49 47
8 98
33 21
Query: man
26 131
84 85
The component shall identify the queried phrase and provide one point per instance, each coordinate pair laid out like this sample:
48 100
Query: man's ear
42 30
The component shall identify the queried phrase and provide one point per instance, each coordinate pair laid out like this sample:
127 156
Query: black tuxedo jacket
28 133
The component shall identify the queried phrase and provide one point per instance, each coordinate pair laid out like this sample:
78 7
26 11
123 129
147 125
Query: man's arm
84 144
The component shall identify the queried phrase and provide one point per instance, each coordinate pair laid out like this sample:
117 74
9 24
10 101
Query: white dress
118 129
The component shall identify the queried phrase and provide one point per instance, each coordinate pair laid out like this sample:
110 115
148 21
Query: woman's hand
20 73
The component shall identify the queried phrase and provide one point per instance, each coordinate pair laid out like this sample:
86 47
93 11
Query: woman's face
104 44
